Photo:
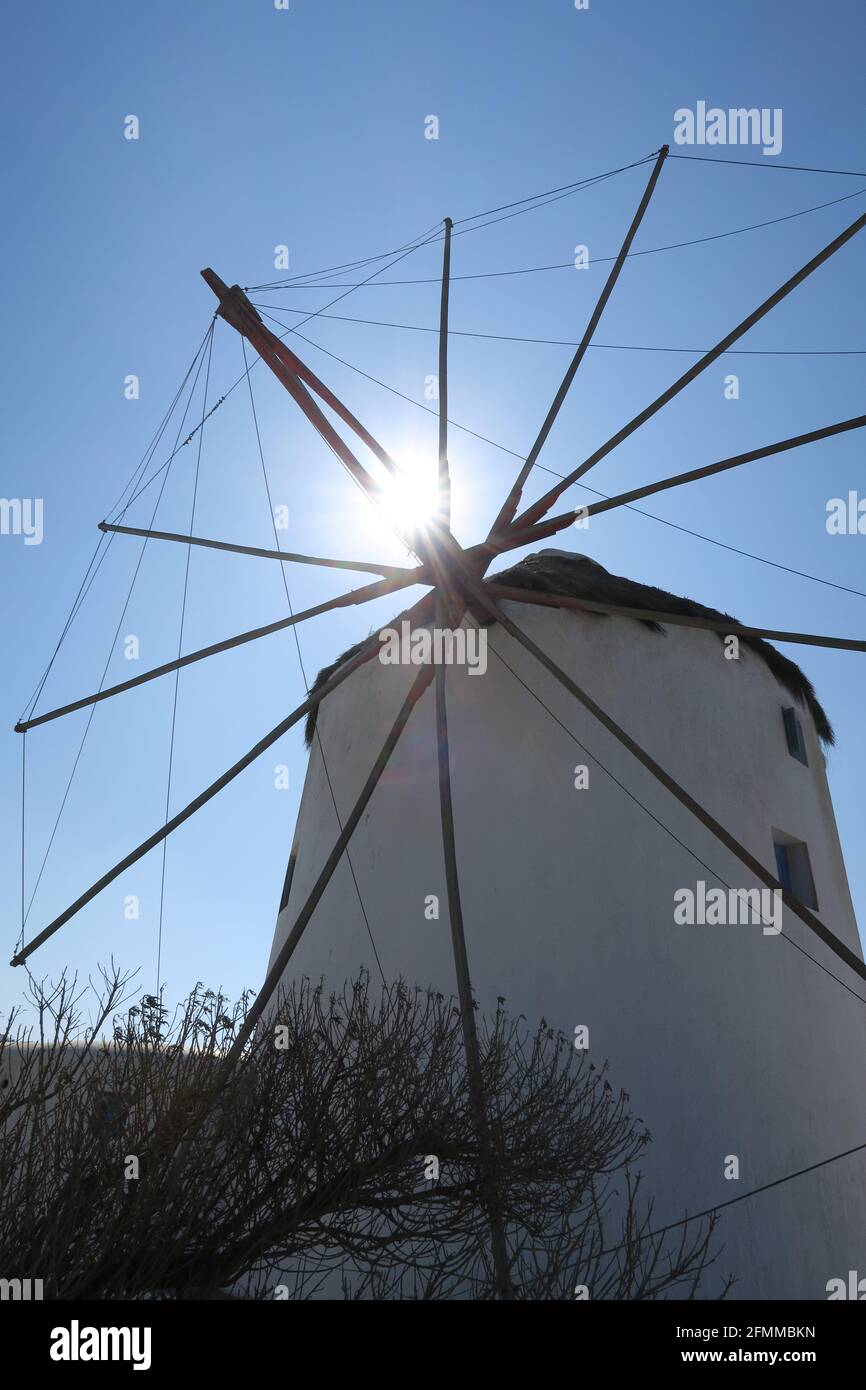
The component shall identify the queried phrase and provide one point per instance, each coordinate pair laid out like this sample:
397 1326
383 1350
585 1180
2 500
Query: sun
411 500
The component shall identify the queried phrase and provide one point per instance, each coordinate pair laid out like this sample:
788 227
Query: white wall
727 1040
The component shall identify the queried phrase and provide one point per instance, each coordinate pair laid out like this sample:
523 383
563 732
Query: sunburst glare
411 498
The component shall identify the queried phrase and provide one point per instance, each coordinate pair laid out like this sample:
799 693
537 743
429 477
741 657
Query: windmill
458 593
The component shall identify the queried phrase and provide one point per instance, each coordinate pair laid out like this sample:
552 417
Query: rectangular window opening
794 735
287 883
793 868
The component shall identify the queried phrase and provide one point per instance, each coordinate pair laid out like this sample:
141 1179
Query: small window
793 868
287 882
794 736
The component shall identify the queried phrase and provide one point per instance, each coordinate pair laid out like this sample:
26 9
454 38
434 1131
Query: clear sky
306 128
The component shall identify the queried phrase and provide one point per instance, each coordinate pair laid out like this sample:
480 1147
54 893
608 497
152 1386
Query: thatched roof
577 576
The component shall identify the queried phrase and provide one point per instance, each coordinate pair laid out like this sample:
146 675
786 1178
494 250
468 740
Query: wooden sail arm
543 505
444 490
237 310
299 926
355 596
512 501
474 1071
286 556
725 628
541 530
364 654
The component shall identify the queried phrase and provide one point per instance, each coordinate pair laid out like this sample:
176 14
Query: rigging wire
567 342
307 282
31 704
88 577
724 545
757 164
118 516
110 654
157 991
550 196
741 1197
641 511
564 190
596 260
301 663
367 260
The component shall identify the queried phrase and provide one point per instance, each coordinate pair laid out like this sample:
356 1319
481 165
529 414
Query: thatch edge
577 576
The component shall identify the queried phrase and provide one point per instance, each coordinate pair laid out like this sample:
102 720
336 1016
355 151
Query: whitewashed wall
728 1041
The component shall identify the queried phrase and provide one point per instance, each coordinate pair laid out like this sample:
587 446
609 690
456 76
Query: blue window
783 868
287 883
794 736
793 869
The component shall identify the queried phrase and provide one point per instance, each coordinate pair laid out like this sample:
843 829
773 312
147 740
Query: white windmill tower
565 807
577 870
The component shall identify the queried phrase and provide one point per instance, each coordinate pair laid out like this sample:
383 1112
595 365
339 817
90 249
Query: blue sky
305 127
